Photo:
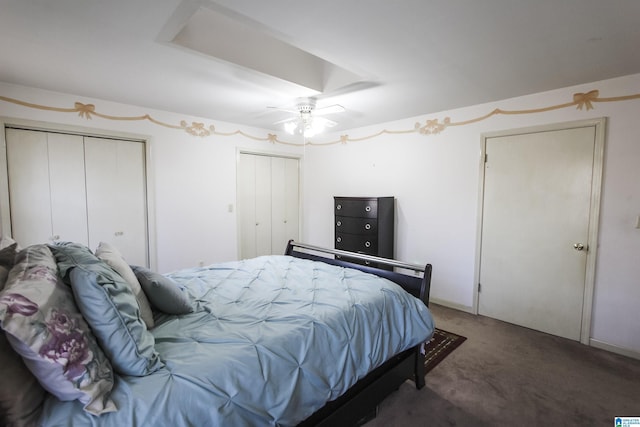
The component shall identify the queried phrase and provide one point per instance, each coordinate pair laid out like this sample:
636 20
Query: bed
298 339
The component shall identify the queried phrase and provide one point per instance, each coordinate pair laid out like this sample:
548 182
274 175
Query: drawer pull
339 239
367 226
339 223
367 244
338 207
368 209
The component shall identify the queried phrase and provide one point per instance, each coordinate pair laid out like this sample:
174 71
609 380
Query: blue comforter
271 340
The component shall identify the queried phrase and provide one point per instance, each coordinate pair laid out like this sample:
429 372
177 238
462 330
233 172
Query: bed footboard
360 402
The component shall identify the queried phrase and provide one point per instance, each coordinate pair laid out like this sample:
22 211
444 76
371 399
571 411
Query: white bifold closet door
285 201
65 187
268 204
116 196
46 187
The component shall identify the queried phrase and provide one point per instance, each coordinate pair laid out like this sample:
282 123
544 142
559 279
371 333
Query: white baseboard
592 342
453 305
614 349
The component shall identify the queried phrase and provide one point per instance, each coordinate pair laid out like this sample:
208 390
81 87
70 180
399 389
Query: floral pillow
44 326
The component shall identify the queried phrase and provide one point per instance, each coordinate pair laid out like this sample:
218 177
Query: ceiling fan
307 119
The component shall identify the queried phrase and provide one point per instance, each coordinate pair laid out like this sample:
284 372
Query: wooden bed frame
359 404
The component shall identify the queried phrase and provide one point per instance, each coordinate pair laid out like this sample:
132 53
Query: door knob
579 247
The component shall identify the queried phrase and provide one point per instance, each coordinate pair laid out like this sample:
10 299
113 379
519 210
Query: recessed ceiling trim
207 30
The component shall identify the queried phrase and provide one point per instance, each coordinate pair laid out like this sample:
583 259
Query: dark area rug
440 346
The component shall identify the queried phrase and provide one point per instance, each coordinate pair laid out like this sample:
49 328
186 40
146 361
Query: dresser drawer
352 225
357 243
361 208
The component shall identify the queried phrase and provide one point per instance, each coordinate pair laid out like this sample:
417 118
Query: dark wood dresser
365 225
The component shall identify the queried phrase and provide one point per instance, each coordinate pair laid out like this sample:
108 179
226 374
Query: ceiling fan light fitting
306 123
290 127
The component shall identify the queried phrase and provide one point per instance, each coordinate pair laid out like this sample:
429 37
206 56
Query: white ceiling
382 60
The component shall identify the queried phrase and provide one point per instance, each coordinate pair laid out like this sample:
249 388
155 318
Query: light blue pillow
109 306
164 294
69 255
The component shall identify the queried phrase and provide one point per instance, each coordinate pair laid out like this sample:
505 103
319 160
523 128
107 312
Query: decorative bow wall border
430 126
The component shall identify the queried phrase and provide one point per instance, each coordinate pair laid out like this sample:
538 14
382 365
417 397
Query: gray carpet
507 375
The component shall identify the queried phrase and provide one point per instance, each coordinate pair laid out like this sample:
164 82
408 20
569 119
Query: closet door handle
579 247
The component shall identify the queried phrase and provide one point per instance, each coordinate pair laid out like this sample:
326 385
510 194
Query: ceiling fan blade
287 120
286 110
326 122
330 109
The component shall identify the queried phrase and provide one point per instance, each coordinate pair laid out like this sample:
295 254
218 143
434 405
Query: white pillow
112 257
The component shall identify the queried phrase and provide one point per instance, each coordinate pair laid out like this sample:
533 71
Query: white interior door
537 201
